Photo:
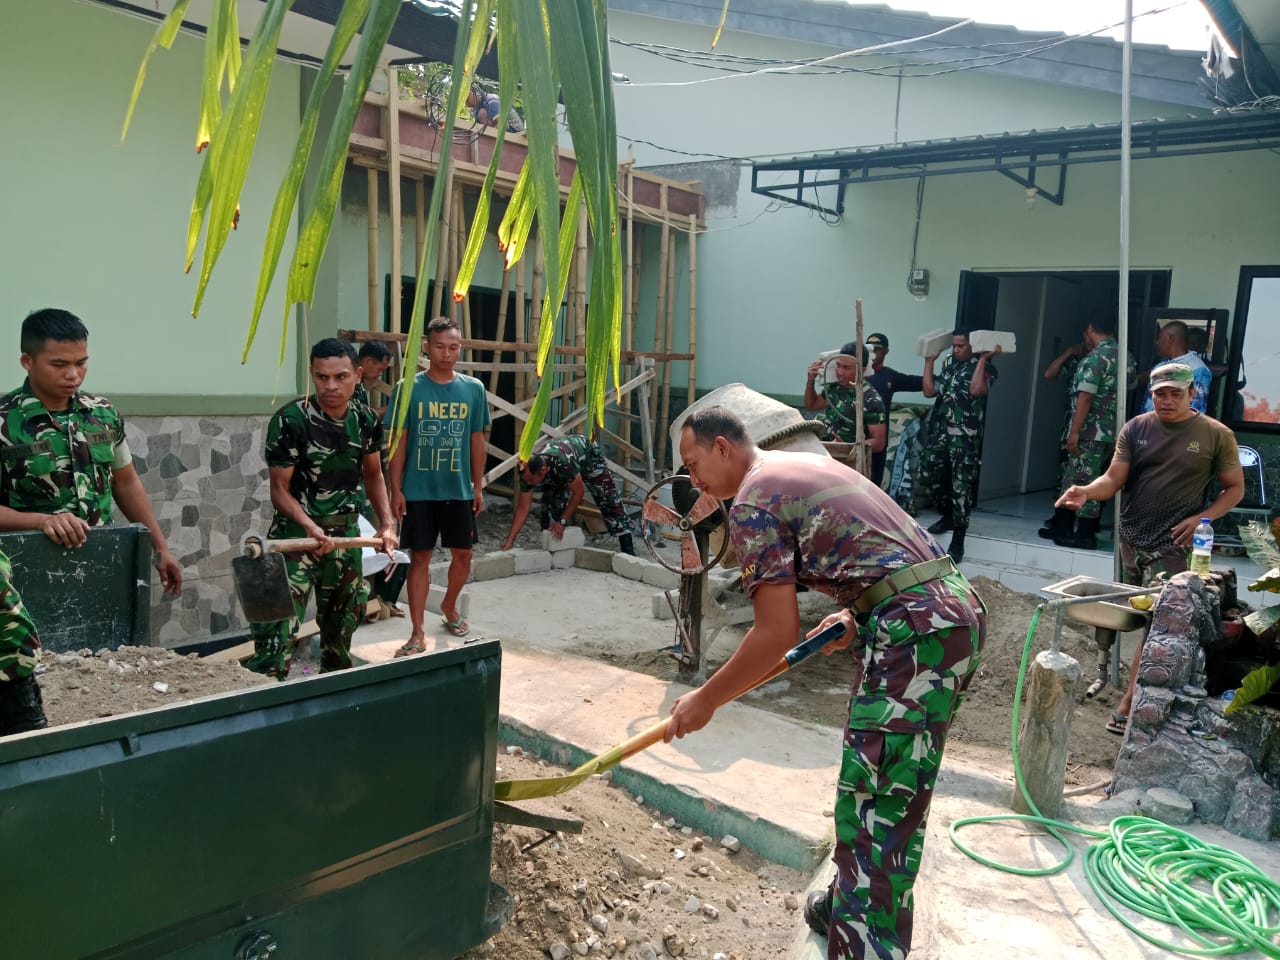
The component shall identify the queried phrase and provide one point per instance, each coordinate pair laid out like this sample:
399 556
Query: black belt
904 578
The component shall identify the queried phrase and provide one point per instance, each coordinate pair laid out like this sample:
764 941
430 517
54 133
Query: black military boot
1062 522
626 544
1084 537
957 544
941 525
21 707
817 910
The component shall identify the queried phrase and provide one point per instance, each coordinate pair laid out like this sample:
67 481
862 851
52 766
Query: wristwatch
564 521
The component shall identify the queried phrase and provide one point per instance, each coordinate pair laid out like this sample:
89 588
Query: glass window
1255 355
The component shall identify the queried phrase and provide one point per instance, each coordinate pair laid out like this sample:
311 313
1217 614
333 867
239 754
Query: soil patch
818 690
87 684
633 884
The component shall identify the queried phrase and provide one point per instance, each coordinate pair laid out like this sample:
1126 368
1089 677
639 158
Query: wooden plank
664 422
360 336
660 310
393 191
692 394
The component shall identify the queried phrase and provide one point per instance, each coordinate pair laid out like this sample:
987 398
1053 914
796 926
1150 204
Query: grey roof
1092 63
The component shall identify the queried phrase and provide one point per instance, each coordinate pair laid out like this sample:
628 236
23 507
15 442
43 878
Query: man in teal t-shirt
436 475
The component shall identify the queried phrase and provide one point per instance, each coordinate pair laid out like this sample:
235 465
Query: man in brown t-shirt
1164 461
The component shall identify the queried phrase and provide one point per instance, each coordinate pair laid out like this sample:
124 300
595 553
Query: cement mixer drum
772 425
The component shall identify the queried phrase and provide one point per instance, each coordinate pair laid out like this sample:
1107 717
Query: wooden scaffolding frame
396 136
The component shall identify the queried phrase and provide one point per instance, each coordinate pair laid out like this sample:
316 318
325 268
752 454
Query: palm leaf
163 37
344 31
1255 685
232 144
314 235
516 225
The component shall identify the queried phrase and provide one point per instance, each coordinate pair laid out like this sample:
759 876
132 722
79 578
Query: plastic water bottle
1202 547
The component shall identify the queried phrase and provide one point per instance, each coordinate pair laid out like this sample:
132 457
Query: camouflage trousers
1141 567
341 594
599 483
949 469
882 807
1082 467
19 644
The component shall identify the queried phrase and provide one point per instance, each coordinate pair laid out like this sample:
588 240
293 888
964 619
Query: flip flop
1117 723
410 648
459 627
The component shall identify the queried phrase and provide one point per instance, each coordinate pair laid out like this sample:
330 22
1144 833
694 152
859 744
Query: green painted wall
98 226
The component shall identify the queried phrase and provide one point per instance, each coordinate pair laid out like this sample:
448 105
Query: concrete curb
770 840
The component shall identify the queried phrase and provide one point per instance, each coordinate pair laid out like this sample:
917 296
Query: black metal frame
1008 154
1244 290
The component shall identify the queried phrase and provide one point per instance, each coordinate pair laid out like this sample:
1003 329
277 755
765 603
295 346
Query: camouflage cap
878 340
1172 375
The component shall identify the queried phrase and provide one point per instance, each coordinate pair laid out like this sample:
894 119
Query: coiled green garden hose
1219 900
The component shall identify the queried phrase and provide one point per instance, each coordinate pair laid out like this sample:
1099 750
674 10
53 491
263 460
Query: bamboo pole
420 224
861 452
502 328
693 311
628 313
522 323
372 201
661 306
442 252
535 318
665 422
459 247
580 306
392 119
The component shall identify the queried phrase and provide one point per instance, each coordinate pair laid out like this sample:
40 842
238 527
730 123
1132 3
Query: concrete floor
770 780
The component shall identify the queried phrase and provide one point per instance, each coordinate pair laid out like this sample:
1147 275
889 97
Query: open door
976 301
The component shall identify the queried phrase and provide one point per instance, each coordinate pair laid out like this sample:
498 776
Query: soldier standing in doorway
954 448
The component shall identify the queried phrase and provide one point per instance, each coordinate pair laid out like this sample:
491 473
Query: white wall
98 227
777 285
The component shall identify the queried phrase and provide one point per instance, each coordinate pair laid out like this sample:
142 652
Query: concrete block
657 575
593 558
625 565
531 561
440 572
662 609
573 538
984 340
934 342
493 566
435 597
562 560
1168 806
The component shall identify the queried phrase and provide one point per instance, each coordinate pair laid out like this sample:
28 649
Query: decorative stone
572 538
1252 811
1168 806
435 597
531 561
1044 740
493 566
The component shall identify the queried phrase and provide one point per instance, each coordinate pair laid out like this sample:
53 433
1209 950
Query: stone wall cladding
207 482
1179 737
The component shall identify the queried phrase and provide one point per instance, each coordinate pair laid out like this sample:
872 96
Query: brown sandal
411 647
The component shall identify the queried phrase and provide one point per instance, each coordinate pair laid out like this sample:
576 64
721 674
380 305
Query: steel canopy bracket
1029 181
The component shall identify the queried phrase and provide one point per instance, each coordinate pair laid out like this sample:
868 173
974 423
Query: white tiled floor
1003 544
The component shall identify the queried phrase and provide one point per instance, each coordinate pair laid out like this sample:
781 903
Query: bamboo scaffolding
372 201
463 315
442 251
521 325
628 313
392 118
661 305
535 318
665 421
501 326
360 336
419 225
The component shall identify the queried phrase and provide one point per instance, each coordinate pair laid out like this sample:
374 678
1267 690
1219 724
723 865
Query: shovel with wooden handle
554 786
261 581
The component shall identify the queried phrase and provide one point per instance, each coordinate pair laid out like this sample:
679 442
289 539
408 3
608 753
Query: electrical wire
1218 899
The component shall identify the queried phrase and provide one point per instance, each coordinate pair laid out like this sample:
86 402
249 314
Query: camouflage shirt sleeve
1089 374
285 438
764 545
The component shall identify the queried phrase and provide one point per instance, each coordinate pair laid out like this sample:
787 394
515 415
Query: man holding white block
954 447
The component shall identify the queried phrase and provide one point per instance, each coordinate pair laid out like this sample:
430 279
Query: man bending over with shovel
320 450
914 627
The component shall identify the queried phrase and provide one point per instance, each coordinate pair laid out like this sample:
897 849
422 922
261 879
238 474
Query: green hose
1219 900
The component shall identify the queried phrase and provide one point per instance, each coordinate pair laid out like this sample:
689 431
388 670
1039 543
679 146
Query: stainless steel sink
1106 614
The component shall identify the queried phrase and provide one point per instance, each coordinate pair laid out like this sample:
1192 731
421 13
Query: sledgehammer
554 786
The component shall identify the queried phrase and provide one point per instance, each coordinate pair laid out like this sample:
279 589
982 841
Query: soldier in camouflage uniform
566 468
1090 434
320 450
838 406
953 449
63 454
914 631
21 708
372 362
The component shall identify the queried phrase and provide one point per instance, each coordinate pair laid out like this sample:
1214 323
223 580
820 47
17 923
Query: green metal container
343 817
97 595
